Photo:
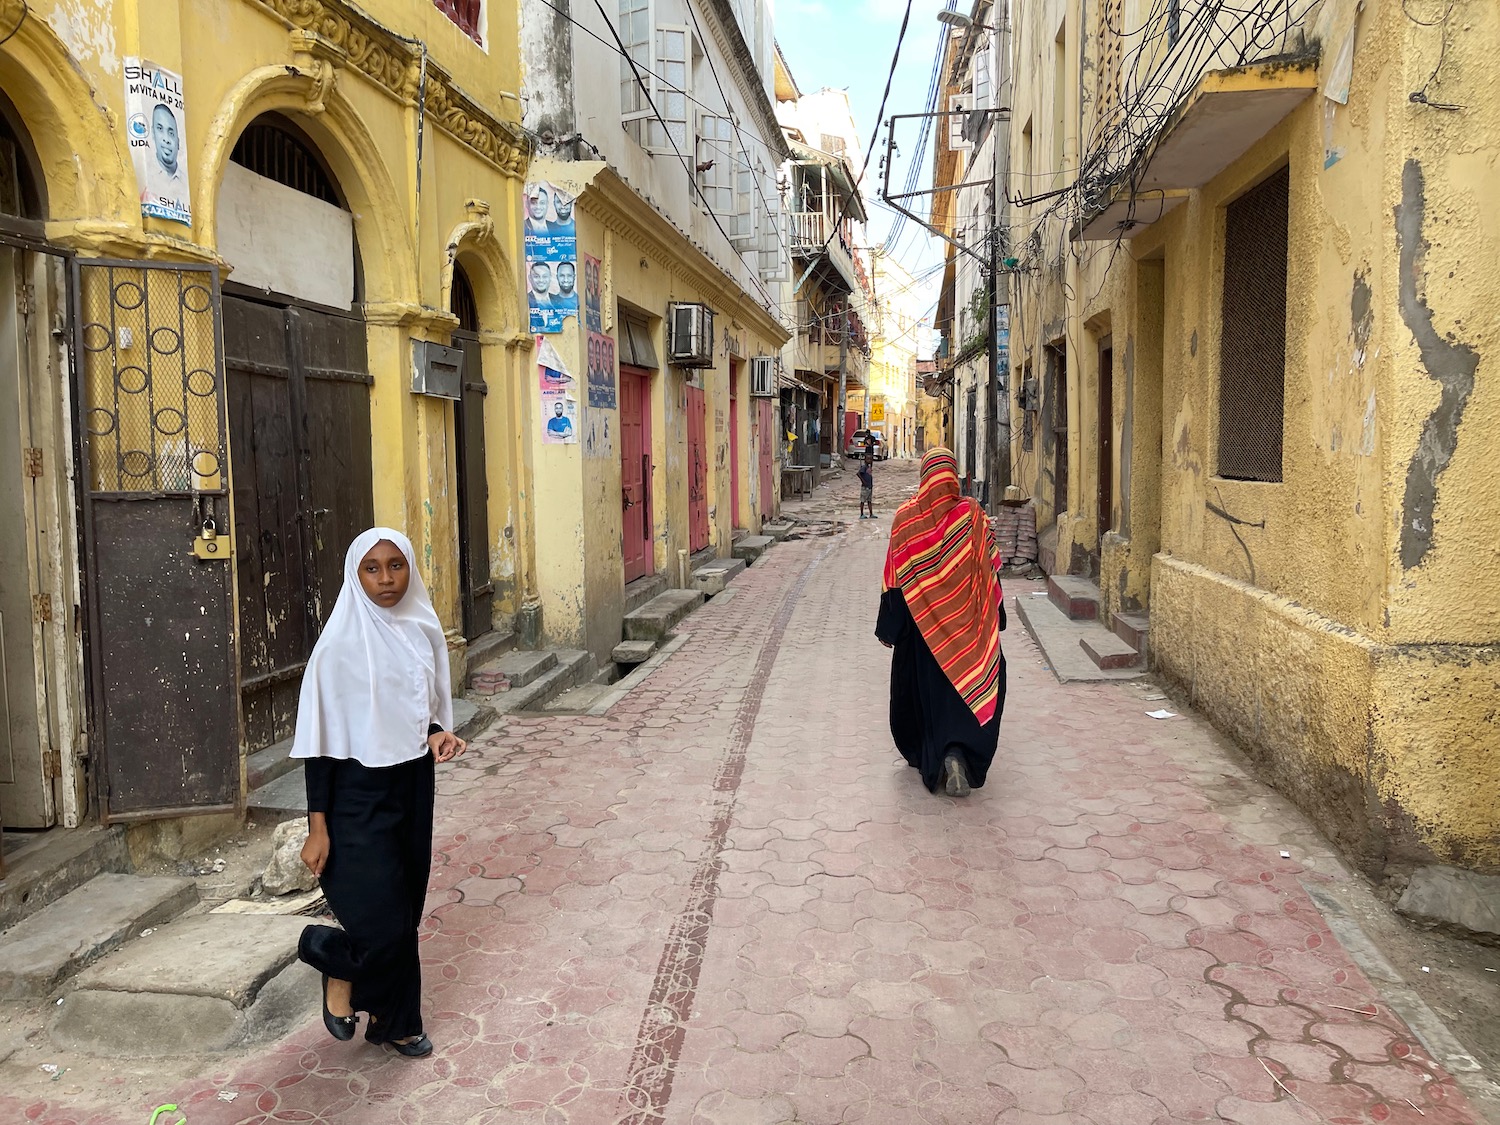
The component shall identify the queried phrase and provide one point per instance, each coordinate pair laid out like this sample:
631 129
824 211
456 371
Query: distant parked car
856 446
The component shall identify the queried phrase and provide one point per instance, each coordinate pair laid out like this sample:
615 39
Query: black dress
375 880
929 719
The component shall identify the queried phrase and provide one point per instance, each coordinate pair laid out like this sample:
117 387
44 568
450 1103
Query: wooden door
1058 400
150 393
635 472
26 797
735 472
768 433
697 426
478 591
299 418
1106 440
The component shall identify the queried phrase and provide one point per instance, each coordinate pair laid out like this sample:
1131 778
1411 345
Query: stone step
265 766
753 547
284 797
207 983
713 578
1132 628
1076 597
520 668
56 863
1108 651
658 617
1060 639
633 652
578 700
777 529
570 668
42 951
642 590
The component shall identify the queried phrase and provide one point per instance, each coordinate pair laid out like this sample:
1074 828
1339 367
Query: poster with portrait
559 418
157 132
551 257
601 347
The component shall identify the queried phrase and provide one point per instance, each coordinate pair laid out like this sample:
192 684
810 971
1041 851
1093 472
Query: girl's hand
315 851
445 745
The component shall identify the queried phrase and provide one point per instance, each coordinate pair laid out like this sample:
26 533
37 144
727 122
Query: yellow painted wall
349 79
646 267
1343 623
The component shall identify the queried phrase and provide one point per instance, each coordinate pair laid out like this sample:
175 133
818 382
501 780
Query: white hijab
378 678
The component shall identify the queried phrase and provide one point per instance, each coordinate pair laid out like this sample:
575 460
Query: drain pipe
682 568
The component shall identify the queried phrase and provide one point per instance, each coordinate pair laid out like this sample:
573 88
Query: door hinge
25 300
51 766
41 608
31 460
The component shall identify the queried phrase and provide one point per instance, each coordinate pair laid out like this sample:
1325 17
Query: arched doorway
478 591
298 383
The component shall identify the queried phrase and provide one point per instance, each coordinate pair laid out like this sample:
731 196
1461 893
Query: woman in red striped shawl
942 611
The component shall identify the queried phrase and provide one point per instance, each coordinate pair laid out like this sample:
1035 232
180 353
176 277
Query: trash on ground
1162 714
1286 855
1425 969
50 1068
228 1095
148 931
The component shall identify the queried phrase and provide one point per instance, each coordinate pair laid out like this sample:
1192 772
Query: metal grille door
150 392
1252 347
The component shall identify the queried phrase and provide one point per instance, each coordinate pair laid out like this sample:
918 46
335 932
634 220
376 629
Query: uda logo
136 127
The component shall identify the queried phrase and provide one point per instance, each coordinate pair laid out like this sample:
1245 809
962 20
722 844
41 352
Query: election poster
157 132
601 357
559 418
551 257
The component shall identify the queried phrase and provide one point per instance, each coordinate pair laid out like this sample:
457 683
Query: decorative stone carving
318 57
343 36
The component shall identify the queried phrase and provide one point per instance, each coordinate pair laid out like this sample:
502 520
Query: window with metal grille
275 149
1252 344
468 14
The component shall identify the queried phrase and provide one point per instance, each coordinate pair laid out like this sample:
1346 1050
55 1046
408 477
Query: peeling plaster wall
1344 623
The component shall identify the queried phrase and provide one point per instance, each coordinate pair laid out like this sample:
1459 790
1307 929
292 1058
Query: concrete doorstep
214 982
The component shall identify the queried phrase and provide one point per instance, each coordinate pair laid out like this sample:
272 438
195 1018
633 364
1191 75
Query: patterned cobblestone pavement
730 903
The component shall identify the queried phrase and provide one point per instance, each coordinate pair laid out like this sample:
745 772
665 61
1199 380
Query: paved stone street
729 902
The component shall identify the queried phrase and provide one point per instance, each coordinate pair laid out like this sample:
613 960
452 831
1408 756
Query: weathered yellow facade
1341 622
647 265
416 123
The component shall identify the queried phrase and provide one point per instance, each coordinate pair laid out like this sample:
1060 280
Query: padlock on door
207 545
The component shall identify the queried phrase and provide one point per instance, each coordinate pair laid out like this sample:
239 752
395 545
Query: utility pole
838 423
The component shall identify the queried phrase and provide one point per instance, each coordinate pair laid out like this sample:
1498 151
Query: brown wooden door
159 642
478 592
1059 408
767 433
697 426
1106 441
299 418
635 472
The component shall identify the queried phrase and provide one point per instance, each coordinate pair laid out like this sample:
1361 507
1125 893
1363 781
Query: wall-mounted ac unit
763 376
691 339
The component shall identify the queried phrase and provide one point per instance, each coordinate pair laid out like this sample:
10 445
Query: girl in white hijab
375 716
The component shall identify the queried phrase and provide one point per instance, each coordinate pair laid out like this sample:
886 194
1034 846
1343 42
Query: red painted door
635 471
734 444
697 426
766 431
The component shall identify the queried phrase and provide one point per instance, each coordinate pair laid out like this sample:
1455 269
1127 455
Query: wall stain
1450 362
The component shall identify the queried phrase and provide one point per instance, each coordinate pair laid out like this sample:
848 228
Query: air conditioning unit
763 376
690 342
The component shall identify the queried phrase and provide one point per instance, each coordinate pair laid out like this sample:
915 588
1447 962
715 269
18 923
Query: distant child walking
866 488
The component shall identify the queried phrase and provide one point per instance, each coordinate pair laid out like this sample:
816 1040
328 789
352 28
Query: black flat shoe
340 1027
418 1048
958 777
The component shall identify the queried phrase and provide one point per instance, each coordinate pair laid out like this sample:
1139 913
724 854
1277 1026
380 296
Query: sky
847 44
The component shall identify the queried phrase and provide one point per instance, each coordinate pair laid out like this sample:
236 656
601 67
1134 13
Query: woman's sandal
418 1047
340 1027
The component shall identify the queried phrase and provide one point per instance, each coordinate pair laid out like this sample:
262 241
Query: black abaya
929 719
379 858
